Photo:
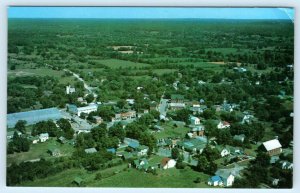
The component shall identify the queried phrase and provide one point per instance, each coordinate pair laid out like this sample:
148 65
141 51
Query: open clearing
42 72
120 177
40 150
115 63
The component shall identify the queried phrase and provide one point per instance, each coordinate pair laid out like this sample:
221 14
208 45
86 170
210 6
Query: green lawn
229 50
165 178
115 63
164 71
42 72
63 179
205 65
154 159
121 176
40 150
171 131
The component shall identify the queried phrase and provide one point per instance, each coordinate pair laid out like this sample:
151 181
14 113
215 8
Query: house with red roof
167 163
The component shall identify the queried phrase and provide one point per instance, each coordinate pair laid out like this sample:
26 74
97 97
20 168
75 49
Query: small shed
62 139
239 138
54 151
111 150
90 150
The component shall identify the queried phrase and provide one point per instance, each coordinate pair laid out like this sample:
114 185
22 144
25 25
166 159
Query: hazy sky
150 12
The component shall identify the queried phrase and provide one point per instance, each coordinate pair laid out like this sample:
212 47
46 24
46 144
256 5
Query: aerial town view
150 97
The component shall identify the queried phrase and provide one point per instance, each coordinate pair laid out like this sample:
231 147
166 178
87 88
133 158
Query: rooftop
90 150
272 144
32 117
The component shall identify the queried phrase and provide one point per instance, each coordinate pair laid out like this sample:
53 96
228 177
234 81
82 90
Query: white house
69 89
223 125
167 163
287 165
224 152
247 119
130 101
142 150
87 109
194 120
43 137
175 106
227 179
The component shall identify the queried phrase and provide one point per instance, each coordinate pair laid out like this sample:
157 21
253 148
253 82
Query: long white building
87 109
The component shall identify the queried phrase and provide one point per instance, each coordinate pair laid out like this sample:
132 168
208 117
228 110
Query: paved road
86 86
77 123
162 107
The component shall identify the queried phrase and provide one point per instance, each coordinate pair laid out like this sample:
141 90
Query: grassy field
164 71
42 72
115 63
229 50
171 131
40 150
165 178
205 65
120 177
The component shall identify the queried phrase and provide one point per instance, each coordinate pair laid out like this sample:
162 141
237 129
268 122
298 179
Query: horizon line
171 18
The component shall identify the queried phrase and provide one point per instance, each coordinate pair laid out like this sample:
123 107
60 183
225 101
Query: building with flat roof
32 117
87 109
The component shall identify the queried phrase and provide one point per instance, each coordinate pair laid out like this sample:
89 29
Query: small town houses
137 155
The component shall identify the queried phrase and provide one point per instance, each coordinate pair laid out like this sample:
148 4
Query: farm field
115 63
42 72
